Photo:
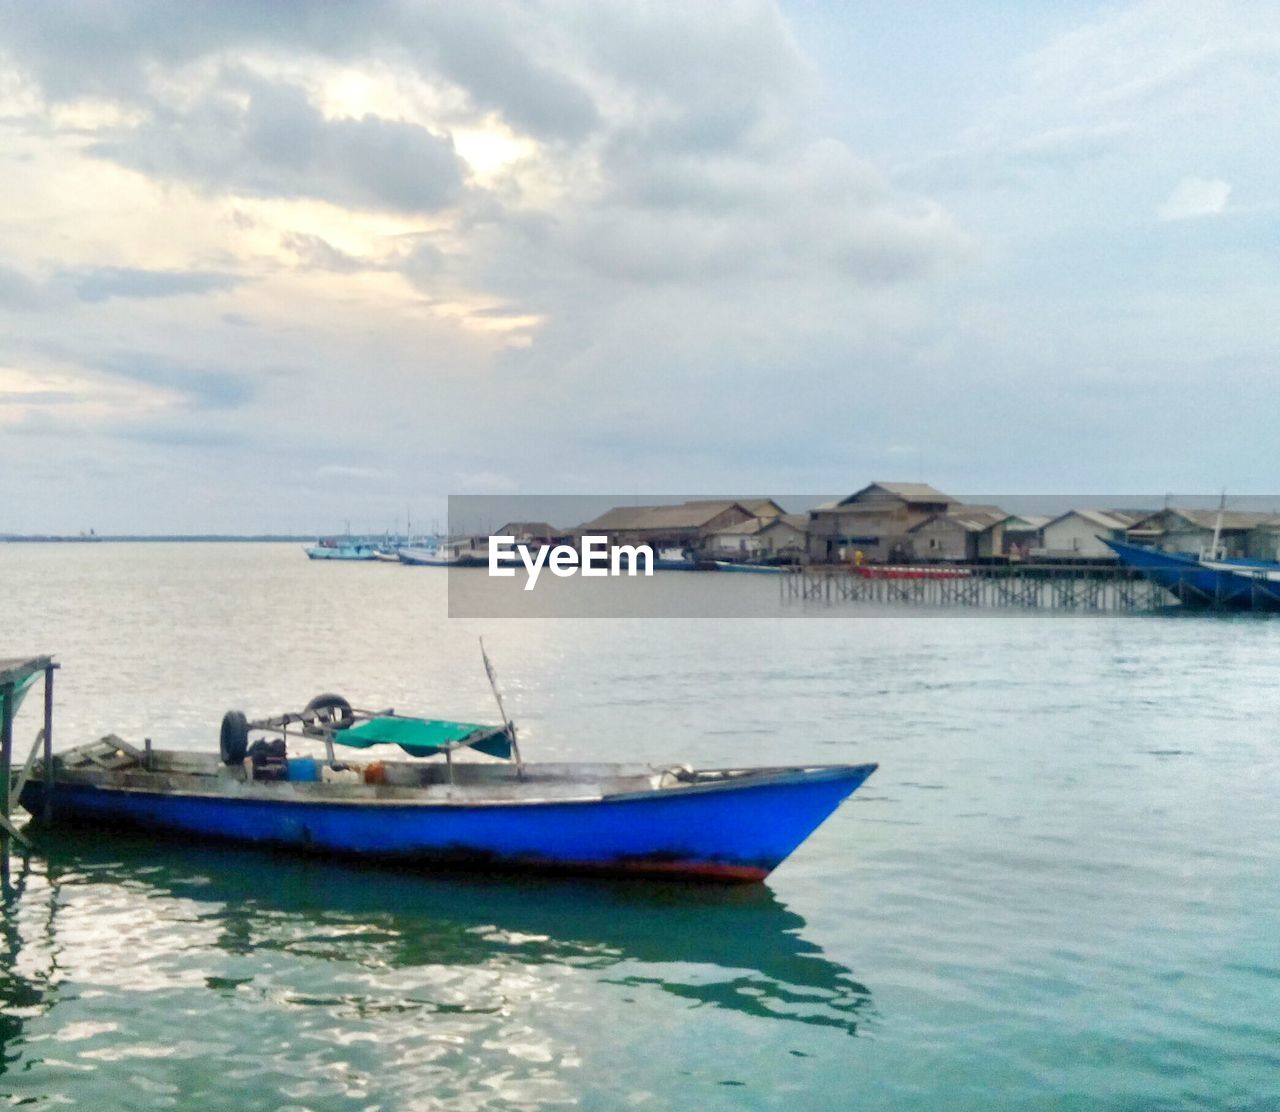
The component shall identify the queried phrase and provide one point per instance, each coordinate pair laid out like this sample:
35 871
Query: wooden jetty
1071 587
16 675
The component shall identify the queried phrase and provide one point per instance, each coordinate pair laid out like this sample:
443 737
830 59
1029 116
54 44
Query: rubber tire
330 702
234 740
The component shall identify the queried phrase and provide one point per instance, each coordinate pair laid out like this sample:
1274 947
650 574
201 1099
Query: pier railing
1016 586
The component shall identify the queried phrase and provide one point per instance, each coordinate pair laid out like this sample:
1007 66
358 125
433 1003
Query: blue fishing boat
265 788
342 548
1205 580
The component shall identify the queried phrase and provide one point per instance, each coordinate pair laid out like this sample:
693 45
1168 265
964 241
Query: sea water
1061 888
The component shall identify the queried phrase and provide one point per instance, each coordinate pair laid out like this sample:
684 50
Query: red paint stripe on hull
690 870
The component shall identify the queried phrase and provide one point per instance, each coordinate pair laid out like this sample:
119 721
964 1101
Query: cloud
344 471
316 253
17 290
490 53
201 387
1194 197
104 282
484 482
493 55
170 434
250 136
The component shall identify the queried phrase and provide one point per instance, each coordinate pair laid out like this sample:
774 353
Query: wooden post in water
7 695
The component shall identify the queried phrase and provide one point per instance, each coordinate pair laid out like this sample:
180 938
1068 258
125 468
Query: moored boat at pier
1206 581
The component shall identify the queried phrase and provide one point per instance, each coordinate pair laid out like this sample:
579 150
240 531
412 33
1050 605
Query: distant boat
674 559
1204 580
758 569
341 548
902 571
436 554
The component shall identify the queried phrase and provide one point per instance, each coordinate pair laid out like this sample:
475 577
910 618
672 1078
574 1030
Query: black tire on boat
234 740
329 710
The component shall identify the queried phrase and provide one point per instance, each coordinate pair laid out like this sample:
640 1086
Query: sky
281 267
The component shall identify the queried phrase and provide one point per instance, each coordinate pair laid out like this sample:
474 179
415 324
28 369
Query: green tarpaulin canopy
21 672
424 737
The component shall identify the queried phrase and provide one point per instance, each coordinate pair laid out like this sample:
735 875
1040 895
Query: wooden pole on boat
511 726
47 765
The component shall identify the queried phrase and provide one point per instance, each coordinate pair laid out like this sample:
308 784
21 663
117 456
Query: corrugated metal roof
917 492
1100 518
972 519
1231 519
689 515
908 492
528 529
755 506
759 524
796 521
1025 523
748 528
1127 517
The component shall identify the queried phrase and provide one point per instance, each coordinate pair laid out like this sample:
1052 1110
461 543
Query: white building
1076 535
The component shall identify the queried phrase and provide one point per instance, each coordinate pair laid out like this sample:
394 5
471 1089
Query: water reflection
735 948
30 973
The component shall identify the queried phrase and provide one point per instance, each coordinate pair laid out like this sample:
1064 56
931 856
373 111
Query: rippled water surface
1061 889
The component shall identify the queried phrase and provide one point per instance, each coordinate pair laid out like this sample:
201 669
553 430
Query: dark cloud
77 48
267 139
84 47
484 51
201 387
103 282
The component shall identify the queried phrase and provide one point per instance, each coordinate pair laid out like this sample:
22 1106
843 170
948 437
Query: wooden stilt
47 767
7 695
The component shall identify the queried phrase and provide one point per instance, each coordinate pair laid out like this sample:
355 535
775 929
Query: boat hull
1206 583
751 569
428 558
321 552
899 571
724 832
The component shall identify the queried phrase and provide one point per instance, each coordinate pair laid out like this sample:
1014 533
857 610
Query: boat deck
114 763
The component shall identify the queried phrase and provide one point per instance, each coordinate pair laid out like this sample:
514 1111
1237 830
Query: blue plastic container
304 770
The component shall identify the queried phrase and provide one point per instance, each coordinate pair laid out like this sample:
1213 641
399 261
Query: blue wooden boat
342 548
1237 584
725 824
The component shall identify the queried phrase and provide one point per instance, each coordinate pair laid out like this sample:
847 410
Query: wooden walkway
1020 586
